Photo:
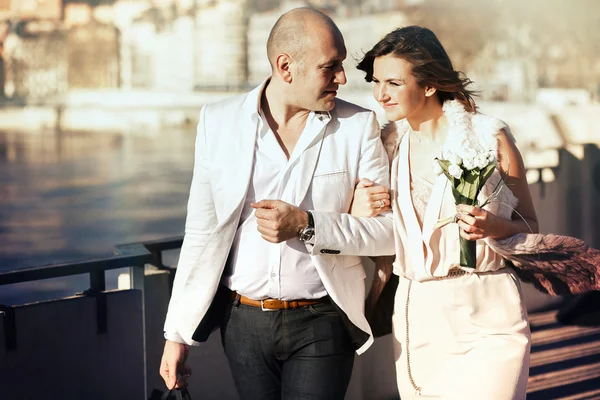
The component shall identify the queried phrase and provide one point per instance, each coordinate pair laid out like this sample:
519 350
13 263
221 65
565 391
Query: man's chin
327 105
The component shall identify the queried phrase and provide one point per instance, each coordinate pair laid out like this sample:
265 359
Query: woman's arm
477 223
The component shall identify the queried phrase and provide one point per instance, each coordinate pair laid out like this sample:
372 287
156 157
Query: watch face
307 234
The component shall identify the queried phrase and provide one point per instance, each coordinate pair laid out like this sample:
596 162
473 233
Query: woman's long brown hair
431 65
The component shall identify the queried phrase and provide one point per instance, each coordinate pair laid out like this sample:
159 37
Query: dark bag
174 394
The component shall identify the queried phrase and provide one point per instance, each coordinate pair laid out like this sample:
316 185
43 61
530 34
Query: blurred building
501 72
36 60
93 56
187 45
222 54
157 53
556 98
27 9
44 59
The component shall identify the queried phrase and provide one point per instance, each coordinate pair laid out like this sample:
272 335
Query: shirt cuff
174 337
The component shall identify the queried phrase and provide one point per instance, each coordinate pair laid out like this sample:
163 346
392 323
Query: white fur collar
473 130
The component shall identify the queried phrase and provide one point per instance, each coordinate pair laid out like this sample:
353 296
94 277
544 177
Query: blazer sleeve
341 233
201 220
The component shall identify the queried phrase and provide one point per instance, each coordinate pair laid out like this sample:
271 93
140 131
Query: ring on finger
381 203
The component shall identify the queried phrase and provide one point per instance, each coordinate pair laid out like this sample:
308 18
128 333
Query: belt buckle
262 307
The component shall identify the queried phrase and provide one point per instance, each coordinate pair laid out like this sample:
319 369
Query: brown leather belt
276 304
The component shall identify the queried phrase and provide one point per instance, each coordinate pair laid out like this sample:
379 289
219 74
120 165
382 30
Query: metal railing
134 256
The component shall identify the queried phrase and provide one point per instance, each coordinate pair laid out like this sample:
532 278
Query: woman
460 333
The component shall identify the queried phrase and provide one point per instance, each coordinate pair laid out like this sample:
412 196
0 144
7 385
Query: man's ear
284 67
429 91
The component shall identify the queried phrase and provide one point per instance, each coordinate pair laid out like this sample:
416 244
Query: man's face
320 71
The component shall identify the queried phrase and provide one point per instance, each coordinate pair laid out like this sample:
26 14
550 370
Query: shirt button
273 275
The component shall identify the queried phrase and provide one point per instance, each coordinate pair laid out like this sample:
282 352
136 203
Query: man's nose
340 77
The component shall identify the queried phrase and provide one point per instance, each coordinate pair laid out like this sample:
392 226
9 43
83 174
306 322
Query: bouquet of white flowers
467 173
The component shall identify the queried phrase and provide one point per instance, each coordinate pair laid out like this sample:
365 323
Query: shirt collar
322 116
255 109
253 101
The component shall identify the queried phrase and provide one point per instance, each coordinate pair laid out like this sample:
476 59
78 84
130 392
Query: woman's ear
429 91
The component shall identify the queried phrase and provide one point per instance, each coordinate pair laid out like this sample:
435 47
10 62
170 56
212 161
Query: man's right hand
173 362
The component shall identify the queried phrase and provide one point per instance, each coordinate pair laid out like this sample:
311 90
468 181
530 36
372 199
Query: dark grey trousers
297 354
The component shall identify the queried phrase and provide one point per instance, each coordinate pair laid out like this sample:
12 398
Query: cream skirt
468 338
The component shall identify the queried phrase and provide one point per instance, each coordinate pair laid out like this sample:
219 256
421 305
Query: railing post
97 287
136 277
97 281
10 327
136 280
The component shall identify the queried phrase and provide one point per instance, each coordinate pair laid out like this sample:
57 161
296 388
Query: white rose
455 171
468 158
437 168
469 153
481 161
455 159
469 163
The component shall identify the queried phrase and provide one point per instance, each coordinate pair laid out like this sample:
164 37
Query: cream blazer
349 148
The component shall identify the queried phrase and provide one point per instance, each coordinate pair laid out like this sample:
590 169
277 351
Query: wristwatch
307 233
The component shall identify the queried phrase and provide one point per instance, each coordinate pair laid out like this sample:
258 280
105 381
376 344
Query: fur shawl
478 131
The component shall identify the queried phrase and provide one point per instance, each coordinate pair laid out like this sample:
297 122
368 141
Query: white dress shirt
259 269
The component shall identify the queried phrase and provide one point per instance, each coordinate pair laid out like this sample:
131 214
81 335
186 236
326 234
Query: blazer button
328 251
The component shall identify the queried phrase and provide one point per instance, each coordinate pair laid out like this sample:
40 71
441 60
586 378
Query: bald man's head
291 32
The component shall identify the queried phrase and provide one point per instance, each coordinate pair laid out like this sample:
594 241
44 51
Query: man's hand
279 221
369 200
173 362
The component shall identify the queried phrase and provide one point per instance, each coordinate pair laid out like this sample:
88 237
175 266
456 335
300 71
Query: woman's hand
369 200
476 223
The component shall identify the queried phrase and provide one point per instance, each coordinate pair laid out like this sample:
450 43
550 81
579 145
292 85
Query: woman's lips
389 105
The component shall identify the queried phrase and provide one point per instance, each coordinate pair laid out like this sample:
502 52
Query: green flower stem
468 253
468 248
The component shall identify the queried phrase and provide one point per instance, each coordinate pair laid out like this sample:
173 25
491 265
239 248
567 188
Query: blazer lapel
405 201
434 206
237 156
308 162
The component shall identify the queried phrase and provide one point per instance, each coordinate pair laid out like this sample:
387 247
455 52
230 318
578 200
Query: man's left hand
279 221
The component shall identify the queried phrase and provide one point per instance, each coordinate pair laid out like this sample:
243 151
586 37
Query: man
270 253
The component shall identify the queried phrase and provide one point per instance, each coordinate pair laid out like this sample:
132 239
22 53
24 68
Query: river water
73 196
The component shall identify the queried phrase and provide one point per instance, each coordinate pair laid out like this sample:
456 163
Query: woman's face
395 88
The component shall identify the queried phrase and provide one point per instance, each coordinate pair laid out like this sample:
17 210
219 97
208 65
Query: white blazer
348 149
